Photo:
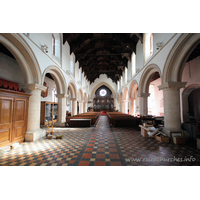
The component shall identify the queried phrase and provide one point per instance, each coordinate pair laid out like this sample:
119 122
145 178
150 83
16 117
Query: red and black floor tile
101 145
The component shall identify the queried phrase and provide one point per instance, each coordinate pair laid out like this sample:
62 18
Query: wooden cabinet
13 116
49 113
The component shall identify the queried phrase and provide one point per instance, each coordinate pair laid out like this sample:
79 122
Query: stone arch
126 100
24 56
73 89
185 94
132 89
80 95
99 85
133 99
85 97
58 78
126 94
178 56
146 78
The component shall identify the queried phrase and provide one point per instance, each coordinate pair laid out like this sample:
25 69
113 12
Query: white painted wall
129 71
66 57
10 70
159 107
76 71
102 78
159 58
139 56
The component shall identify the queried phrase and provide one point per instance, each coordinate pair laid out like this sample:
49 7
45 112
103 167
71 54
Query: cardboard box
179 140
147 125
162 138
144 133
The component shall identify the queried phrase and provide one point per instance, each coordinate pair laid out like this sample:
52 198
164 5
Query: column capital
172 85
143 94
32 86
73 99
132 98
80 101
62 95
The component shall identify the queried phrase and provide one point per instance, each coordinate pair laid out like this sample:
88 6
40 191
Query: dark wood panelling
13 116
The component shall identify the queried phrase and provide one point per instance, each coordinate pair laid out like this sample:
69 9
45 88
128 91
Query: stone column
74 106
85 106
171 94
33 127
61 109
114 102
80 107
121 106
125 106
143 103
131 106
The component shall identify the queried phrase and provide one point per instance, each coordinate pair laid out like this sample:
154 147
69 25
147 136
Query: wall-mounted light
159 45
44 48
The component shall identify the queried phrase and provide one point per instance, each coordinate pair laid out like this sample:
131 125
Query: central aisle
102 148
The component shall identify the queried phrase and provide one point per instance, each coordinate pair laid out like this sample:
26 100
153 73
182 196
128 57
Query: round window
103 92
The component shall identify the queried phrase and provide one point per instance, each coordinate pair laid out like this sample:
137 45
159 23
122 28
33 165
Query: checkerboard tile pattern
100 146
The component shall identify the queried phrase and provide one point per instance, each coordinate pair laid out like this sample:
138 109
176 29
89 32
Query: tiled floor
100 146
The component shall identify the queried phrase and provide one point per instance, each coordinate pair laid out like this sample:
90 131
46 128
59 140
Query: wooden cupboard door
19 121
6 109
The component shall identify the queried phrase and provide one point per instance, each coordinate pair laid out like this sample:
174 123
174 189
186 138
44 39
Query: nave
100 146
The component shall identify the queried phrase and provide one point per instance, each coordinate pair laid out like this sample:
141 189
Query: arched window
80 75
118 86
56 46
151 43
125 76
72 65
53 45
133 64
121 82
148 47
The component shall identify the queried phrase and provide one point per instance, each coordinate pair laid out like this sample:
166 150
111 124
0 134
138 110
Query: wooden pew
119 119
88 119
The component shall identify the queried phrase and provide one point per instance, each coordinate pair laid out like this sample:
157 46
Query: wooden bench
93 117
119 119
80 122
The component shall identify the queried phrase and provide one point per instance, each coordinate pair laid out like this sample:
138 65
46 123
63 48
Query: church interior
112 87
80 102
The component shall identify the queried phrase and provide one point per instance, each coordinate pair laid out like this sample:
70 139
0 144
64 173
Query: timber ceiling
102 53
